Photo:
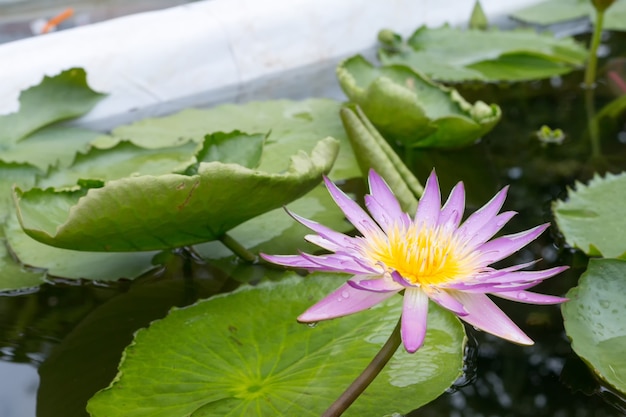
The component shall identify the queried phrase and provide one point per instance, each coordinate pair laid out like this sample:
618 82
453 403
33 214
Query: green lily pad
11 174
232 148
13 276
148 212
557 11
592 218
452 54
123 160
64 263
244 354
103 334
408 108
594 319
57 98
292 126
50 146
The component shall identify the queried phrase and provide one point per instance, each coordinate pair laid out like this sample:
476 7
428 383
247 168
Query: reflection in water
18 389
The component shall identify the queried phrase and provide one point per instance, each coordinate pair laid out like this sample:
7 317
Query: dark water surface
74 333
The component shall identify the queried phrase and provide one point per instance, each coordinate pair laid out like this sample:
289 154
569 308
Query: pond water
73 333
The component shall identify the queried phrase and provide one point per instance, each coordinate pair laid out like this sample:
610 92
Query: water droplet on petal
345 294
522 296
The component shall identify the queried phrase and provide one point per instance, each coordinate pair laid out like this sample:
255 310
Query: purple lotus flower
432 256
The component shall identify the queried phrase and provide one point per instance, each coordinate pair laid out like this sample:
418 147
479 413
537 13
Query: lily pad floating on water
64 96
243 354
152 212
592 219
594 319
407 107
452 54
557 11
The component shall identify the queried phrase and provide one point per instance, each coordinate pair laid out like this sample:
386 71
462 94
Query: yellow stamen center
423 256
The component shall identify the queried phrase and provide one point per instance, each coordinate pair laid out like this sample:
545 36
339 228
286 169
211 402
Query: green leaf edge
304 173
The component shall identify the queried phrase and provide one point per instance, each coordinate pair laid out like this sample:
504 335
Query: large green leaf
102 266
148 212
592 219
57 98
243 354
103 334
452 54
557 11
277 232
292 126
594 319
408 108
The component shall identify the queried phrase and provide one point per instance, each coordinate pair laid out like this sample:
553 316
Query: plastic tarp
217 51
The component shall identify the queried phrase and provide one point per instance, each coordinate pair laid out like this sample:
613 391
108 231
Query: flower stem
359 385
237 248
590 71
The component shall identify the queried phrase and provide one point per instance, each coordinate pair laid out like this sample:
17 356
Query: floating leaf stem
237 248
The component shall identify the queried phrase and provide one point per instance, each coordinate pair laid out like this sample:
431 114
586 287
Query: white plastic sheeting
219 50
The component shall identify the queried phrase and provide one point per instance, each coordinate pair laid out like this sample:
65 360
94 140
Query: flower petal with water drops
341 302
355 214
486 315
530 297
376 285
504 246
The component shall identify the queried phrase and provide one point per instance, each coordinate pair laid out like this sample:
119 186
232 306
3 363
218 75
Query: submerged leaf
594 319
451 54
592 218
407 107
244 354
57 98
149 212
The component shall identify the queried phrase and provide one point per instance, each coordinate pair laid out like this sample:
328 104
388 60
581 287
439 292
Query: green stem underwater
359 385
237 248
